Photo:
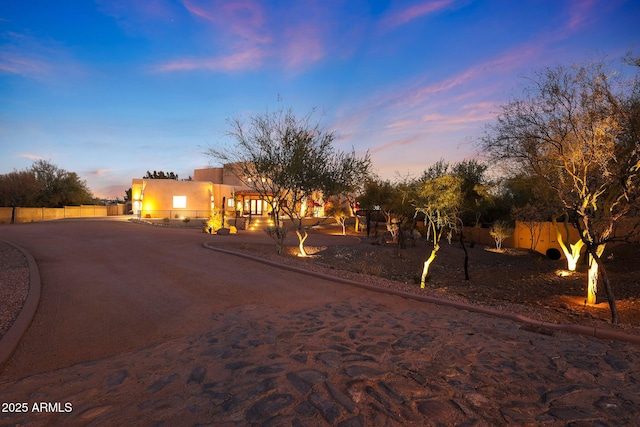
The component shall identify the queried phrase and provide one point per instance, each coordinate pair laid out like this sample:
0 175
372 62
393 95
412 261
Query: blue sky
112 88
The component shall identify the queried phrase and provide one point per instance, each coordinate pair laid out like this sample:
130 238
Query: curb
11 339
600 333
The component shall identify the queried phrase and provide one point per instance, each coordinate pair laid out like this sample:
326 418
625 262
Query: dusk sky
112 88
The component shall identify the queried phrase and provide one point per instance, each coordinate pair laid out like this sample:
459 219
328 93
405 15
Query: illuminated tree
578 130
500 230
336 208
286 159
439 199
573 251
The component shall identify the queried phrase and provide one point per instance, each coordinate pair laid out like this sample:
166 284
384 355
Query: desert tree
376 197
19 188
285 159
43 185
500 230
571 251
338 209
578 130
348 176
439 199
475 189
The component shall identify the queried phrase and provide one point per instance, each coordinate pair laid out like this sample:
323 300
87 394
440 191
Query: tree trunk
572 255
368 222
427 263
592 274
401 242
301 239
595 254
466 257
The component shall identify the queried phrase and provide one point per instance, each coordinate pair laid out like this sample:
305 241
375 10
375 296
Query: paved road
143 326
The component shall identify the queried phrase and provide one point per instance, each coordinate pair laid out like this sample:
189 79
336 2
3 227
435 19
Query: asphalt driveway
110 287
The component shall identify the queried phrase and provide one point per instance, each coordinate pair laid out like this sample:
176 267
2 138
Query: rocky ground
517 280
14 285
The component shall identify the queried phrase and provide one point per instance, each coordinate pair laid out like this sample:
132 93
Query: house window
179 202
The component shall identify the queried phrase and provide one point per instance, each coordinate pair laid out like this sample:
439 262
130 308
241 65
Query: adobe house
211 188
248 201
168 198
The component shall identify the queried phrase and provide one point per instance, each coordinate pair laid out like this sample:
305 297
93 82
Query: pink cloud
16 63
29 156
396 143
249 59
303 46
413 12
244 19
27 56
579 13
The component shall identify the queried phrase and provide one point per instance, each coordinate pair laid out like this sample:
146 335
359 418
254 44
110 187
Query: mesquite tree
578 129
286 159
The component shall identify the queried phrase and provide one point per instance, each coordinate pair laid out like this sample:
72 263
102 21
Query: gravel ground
14 285
540 312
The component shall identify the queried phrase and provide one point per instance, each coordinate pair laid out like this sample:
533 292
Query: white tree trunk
592 281
301 239
427 263
572 254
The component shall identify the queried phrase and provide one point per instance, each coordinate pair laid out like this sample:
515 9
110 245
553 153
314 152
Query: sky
110 89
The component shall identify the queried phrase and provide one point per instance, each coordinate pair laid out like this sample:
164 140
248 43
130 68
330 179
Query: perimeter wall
22 215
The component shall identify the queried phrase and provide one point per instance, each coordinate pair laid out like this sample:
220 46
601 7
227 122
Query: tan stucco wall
213 175
156 200
156 197
23 215
5 215
220 176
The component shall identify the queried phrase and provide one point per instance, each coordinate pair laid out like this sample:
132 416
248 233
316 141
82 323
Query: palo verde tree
439 198
578 130
286 159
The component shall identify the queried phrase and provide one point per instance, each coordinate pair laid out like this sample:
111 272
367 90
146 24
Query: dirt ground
512 279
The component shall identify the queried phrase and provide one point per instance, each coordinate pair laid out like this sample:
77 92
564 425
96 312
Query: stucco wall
154 198
23 215
213 175
5 215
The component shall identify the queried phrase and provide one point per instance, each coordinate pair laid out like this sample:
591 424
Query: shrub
214 222
186 219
